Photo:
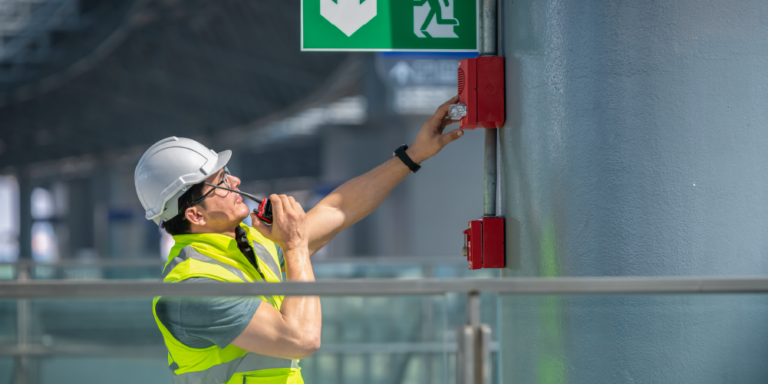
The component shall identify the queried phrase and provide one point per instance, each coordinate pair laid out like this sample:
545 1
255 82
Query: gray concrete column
25 213
635 144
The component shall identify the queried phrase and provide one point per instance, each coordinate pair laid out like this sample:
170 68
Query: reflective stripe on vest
189 252
267 259
222 372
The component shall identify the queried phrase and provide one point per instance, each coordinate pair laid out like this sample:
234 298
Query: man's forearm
297 265
360 196
302 313
355 199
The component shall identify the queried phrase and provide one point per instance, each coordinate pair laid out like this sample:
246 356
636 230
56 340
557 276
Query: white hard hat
167 170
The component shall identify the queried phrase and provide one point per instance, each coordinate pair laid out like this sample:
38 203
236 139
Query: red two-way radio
264 211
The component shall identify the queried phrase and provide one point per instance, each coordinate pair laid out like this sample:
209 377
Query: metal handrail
146 350
390 287
157 262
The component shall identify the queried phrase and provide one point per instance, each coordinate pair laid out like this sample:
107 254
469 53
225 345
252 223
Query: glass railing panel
380 339
125 369
378 319
375 368
7 272
74 323
372 339
8 312
680 338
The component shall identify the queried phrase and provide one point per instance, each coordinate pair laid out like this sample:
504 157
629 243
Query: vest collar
217 243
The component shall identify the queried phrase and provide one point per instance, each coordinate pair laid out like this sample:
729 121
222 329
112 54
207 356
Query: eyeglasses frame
224 179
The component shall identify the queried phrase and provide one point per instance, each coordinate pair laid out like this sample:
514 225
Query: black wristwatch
400 152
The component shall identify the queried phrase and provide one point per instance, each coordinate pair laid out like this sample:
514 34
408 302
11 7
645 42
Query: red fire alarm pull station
481 93
484 243
481 105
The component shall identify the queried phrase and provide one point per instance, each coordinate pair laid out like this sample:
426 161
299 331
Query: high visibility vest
216 256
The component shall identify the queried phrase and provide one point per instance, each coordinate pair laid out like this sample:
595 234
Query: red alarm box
481 89
473 244
484 243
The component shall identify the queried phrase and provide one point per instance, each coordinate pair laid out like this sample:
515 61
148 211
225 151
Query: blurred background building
86 86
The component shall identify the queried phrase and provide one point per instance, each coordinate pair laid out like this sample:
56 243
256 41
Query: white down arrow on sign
348 15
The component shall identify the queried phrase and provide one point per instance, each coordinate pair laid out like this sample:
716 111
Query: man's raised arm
357 198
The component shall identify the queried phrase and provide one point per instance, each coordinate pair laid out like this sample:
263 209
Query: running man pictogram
435 10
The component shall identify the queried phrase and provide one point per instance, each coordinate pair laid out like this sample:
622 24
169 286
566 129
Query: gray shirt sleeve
206 321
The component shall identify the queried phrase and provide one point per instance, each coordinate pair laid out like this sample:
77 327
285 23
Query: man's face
222 210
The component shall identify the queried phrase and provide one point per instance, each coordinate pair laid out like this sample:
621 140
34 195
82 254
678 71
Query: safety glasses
217 188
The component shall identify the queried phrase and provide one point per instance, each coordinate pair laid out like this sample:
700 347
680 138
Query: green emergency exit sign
389 25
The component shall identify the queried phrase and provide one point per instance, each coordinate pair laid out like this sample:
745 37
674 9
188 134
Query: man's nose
235 181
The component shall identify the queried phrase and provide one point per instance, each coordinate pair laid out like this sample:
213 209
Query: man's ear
194 216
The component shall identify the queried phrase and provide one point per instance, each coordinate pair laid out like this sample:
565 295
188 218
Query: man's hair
179 225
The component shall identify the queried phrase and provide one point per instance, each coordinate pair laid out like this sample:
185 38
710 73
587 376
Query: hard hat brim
223 159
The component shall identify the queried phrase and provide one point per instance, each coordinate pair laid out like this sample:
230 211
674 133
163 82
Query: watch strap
403 156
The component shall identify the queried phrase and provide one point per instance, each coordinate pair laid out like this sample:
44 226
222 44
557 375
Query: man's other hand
431 138
289 223
293 331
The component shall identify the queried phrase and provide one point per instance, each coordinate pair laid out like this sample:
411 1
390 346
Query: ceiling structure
122 73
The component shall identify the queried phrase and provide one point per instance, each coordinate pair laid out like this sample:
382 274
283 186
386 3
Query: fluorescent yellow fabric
216 256
272 376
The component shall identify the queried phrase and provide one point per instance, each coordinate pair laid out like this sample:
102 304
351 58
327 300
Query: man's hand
431 139
289 223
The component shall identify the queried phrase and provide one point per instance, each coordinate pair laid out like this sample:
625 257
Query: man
184 187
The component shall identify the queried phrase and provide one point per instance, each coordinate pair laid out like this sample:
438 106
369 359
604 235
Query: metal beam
392 287
242 63
159 263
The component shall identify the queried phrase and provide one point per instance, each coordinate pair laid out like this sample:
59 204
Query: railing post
484 351
23 365
473 357
465 359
